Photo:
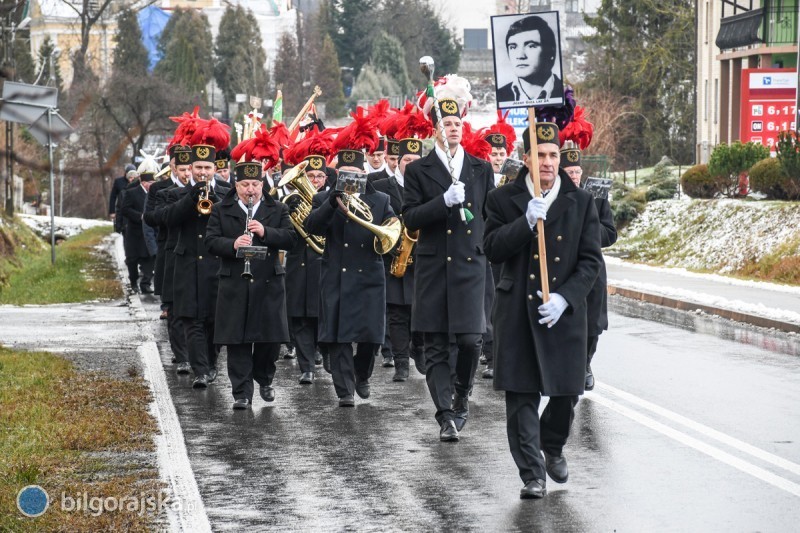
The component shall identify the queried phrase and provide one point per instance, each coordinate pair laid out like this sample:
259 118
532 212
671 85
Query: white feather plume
148 164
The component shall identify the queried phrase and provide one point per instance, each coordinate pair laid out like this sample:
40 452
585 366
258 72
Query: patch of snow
65 227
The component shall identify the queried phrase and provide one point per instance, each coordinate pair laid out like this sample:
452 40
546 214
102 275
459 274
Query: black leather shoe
589 384
241 403
317 358
533 490
174 359
448 431
482 359
183 369
200 382
362 389
488 373
460 411
307 378
388 361
146 289
556 467
267 393
419 360
289 353
347 401
212 375
134 289
400 370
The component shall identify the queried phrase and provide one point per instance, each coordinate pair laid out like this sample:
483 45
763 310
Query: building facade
733 101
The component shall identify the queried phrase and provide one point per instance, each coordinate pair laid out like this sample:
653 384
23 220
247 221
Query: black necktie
543 94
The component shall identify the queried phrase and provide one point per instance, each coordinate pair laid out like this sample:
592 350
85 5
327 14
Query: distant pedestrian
114 200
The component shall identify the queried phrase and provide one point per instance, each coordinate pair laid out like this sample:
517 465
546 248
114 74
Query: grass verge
81 273
73 434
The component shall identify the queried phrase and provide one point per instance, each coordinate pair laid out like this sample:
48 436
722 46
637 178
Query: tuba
304 192
403 258
386 234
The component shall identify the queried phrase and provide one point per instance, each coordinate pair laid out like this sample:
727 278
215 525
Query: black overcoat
450 270
352 281
133 203
194 281
255 310
597 300
528 356
161 230
399 291
303 266
164 199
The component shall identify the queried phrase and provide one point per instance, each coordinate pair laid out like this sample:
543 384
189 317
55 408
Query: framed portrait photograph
527 60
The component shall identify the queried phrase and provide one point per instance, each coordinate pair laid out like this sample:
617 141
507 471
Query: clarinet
246 274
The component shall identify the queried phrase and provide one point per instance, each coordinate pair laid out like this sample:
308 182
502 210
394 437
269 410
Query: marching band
399 231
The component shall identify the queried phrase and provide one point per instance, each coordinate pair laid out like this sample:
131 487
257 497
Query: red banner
767 104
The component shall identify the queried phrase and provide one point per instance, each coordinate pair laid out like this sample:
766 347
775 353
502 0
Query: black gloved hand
293 203
333 197
198 189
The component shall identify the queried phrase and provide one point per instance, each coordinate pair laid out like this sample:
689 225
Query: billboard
767 104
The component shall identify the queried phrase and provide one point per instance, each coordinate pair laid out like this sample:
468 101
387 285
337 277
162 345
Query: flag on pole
277 109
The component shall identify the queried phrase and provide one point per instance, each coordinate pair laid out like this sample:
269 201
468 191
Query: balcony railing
780 25
772 25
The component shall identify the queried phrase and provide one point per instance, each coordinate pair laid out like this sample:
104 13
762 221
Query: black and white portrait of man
527 60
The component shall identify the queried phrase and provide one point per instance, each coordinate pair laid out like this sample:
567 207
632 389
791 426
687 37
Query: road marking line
716 453
185 509
733 442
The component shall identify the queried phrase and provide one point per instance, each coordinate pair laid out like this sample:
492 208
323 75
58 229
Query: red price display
767 105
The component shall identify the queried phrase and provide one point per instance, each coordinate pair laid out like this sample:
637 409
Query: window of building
476 38
571 6
706 101
716 100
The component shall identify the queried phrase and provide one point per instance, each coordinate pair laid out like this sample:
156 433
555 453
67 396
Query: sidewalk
762 304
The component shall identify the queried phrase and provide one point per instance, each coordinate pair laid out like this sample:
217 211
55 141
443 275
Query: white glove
553 309
537 208
455 194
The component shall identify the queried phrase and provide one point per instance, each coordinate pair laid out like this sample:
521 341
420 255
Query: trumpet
386 234
246 274
304 192
403 258
204 203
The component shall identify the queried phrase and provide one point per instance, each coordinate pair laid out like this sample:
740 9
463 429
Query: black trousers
386 347
251 361
143 265
591 347
347 369
399 328
158 279
304 337
492 278
528 435
200 344
440 368
177 336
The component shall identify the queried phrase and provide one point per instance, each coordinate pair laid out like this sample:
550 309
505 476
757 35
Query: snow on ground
65 227
723 238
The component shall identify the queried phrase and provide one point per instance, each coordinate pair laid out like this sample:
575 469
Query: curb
185 509
685 305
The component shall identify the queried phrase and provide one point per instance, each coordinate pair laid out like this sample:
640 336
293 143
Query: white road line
185 509
718 436
683 438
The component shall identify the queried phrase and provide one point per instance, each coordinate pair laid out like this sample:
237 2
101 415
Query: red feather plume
280 133
503 128
411 122
358 135
187 124
212 132
260 147
378 112
579 130
314 143
474 143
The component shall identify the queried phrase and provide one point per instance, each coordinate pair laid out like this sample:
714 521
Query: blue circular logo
32 501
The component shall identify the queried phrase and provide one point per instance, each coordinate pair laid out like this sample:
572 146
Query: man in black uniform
251 313
303 265
119 185
180 162
540 347
352 283
138 256
160 229
450 269
400 290
195 277
597 300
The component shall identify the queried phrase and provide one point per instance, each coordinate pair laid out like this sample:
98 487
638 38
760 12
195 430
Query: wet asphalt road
693 427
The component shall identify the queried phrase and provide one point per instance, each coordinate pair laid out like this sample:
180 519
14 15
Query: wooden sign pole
533 169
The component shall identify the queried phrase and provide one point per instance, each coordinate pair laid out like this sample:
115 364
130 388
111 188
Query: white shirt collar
244 206
210 182
497 178
369 168
399 176
528 92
